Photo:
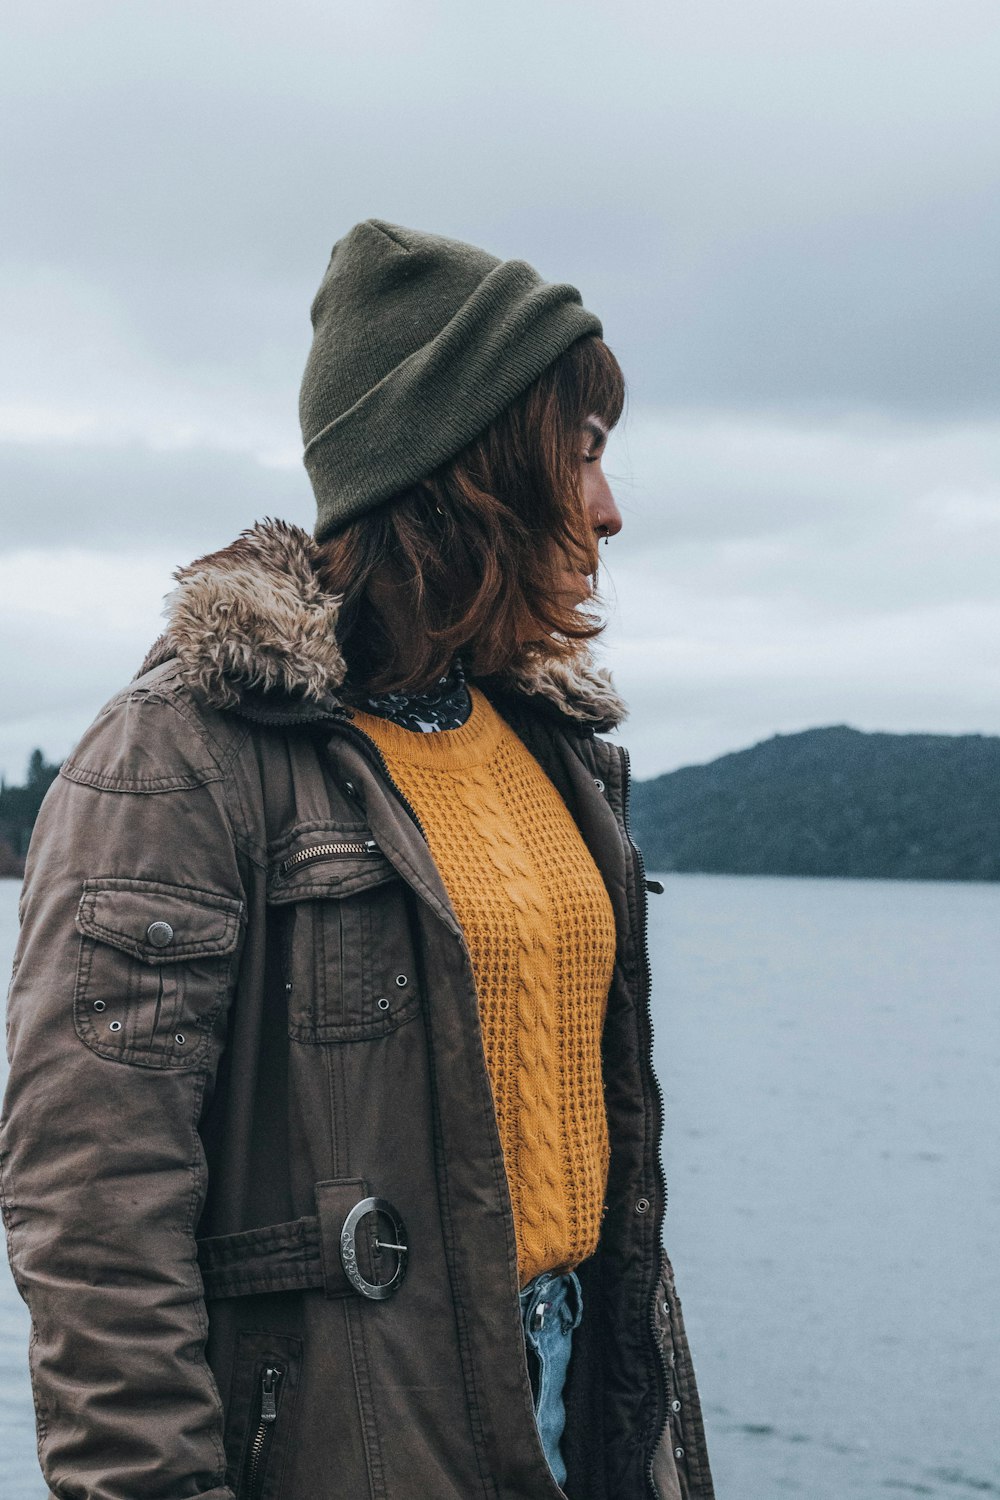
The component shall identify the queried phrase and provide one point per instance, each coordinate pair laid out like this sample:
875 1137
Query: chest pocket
342 920
154 964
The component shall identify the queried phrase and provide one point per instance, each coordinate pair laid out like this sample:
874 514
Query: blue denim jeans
551 1307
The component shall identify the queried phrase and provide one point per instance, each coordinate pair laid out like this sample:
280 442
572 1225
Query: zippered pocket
262 1432
341 849
260 1411
340 920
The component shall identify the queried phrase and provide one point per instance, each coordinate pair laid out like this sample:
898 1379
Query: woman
331 1143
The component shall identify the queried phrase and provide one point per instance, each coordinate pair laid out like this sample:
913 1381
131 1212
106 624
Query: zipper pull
268 1394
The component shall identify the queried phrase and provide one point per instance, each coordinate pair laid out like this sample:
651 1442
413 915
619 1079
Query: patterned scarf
446 705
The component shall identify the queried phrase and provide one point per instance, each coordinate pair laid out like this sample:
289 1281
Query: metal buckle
349 1253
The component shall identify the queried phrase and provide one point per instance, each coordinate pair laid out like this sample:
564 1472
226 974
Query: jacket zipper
327 851
376 754
270 1382
640 865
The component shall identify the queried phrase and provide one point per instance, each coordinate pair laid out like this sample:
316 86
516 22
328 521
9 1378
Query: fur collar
253 618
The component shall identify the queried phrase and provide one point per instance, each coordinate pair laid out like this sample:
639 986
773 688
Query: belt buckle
377 1290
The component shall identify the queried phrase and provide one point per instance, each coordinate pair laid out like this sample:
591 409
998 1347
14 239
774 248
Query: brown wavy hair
473 554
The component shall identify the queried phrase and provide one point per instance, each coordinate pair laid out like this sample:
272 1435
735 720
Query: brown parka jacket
241 1006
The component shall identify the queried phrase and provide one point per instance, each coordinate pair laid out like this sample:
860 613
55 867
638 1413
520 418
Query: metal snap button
100 1005
350 788
599 783
402 981
642 1205
382 1003
159 934
678 1452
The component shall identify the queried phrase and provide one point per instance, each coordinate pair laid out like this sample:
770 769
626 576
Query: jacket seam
232 792
41 1413
199 1175
632 972
461 1329
254 849
225 757
141 785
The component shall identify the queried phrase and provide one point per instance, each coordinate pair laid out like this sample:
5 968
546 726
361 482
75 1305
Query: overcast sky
786 212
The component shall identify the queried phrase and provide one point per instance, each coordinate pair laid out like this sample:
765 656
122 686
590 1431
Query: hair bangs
591 382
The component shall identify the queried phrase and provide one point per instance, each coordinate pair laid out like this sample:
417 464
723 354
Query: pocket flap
159 923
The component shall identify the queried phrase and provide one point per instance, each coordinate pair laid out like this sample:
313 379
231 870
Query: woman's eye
591 458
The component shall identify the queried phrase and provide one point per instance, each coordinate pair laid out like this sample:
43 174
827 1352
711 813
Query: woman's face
600 511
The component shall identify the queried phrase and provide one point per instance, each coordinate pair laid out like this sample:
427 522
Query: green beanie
419 342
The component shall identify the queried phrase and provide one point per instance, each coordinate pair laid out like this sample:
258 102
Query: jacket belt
295 1256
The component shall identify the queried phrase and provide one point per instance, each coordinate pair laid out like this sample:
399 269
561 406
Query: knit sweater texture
540 931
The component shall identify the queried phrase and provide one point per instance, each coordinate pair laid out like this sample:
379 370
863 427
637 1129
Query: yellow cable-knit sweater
540 931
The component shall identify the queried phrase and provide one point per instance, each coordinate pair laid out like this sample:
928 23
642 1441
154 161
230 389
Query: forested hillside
834 801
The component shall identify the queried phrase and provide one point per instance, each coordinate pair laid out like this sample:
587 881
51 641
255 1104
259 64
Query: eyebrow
591 425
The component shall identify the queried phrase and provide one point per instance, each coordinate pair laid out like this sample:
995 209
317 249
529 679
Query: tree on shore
18 810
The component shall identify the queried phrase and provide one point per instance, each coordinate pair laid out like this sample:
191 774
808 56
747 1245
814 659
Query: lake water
830 1055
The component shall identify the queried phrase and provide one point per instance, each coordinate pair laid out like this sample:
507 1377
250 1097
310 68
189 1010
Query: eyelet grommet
180 1038
382 1003
115 1026
675 1406
599 783
642 1205
678 1452
402 981
350 789
100 1005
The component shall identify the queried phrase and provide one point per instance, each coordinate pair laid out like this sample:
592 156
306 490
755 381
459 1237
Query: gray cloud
781 204
130 498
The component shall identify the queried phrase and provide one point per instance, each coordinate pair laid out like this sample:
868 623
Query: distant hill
834 801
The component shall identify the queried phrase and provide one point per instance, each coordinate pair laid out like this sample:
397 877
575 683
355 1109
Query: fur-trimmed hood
255 618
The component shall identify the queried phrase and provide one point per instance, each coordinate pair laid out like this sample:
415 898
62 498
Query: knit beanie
419 342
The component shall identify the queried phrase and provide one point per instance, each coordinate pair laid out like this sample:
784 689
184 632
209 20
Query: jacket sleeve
132 919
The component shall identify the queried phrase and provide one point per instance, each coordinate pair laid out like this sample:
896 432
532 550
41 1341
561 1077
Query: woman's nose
605 517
